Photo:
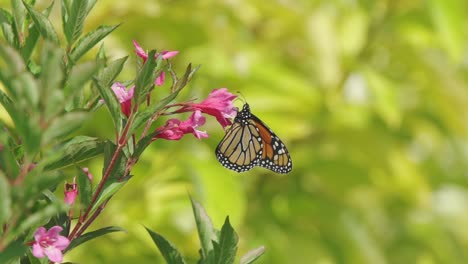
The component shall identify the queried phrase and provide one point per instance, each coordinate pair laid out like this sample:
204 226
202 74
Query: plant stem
121 141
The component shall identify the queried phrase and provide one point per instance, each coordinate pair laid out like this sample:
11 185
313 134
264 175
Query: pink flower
165 55
217 104
160 79
176 129
86 171
49 243
124 96
71 191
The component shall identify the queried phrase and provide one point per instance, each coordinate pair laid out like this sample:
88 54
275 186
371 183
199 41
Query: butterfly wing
274 154
240 148
249 142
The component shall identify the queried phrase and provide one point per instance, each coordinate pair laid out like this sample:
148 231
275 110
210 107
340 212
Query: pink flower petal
37 251
54 254
139 51
62 242
54 231
169 54
40 232
160 80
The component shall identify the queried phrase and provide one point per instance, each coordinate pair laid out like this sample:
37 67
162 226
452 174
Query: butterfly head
244 115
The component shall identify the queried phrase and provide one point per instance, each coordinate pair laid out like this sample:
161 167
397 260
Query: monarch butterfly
249 142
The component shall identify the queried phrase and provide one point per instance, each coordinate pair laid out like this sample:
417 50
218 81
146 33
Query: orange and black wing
274 154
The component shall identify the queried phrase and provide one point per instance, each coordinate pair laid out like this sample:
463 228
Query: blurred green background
370 97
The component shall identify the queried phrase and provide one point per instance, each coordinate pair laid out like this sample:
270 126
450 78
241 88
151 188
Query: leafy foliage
218 247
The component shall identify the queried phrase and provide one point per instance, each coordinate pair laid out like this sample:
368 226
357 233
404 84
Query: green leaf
43 24
8 162
6 22
92 235
73 151
19 14
101 54
145 79
112 103
108 74
36 218
143 116
65 11
89 40
186 78
64 125
85 189
75 22
79 76
143 144
206 231
5 199
33 36
12 66
169 251
13 251
52 78
225 250
118 168
252 255
110 188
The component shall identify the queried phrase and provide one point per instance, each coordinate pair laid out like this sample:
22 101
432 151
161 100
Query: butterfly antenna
242 97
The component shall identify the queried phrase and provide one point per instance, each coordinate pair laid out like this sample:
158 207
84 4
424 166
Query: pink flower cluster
165 55
217 104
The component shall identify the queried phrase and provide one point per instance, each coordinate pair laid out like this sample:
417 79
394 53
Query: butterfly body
249 142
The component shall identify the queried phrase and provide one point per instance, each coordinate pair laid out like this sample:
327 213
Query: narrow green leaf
6 22
7 103
73 151
101 54
13 251
43 24
36 218
13 64
65 11
169 251
5 199
27 90
205 228
19 14
226 253
110 188
145 79
33 36
108 74
8 162
143 116
252 255
64 125
92 235
143 144
75 22
84 187
37 181
79 76
52 78
186 78
112 103
89 40
91 4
